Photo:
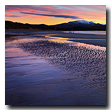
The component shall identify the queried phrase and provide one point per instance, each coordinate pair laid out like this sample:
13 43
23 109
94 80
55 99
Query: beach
96 39
55 68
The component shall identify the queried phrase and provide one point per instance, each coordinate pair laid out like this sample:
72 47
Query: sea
87 32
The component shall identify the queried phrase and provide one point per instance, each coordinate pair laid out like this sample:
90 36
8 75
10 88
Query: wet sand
40 71
99 40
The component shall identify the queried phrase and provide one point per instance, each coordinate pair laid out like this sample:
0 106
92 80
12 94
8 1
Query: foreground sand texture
51 68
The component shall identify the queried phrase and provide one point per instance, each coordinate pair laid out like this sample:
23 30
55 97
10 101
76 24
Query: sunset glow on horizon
55 14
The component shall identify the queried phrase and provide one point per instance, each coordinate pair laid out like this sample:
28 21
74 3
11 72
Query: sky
55 14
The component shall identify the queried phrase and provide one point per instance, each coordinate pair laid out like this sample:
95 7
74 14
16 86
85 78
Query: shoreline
99 40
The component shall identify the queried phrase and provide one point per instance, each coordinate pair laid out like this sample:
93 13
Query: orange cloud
12 15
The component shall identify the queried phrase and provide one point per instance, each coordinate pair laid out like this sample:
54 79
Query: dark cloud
60 16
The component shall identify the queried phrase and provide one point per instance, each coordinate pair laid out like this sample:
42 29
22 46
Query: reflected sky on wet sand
54 71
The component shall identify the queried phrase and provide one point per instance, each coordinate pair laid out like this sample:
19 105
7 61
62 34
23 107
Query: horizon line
47 24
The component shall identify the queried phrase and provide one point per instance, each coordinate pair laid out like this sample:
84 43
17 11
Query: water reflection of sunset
58 39
55 39
33 63
72 43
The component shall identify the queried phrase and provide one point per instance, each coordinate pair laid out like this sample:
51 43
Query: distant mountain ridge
72 25
82 22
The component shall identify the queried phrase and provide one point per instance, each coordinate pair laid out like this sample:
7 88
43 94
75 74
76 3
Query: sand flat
40 71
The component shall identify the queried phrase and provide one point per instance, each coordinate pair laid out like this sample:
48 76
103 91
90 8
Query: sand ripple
75 60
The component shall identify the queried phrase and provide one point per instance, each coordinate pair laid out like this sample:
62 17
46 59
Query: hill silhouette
63 26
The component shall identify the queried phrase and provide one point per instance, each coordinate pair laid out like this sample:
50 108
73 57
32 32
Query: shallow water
54 71
87 32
